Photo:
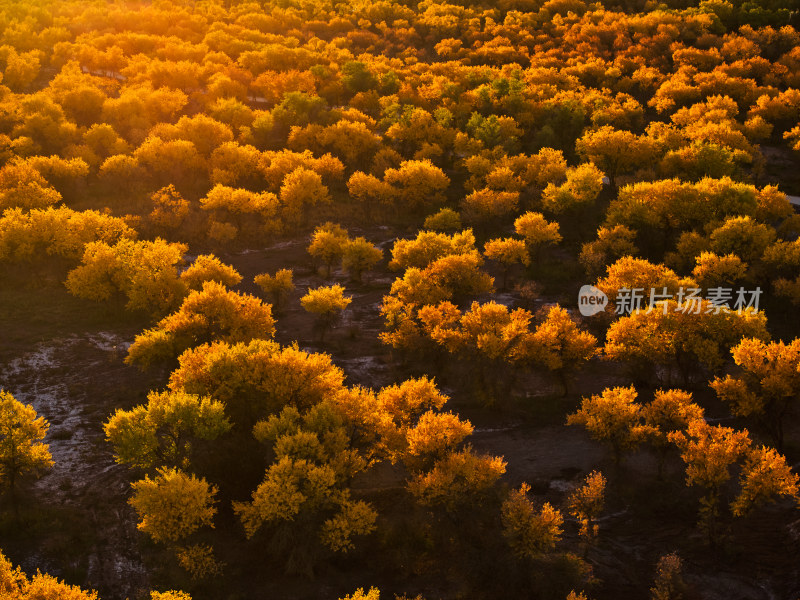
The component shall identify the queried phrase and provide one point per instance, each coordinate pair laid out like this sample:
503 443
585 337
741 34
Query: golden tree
559 345
358 256
161 432
529 532
669 583
298 492
301 190
170 595
22 451
710 453
170 209
586 503
488 208
173 505
17 586
208 267
21 185
766 385
637 273
419 186
277 286
613 417
459 478
713 270
429 246
212 313
508 252
369 192
670 410
327 244
143 272
612 244
360 594
453 277
615 151
681 338
581 188
742 236
257 378
765 475
537 232
327 303
241 211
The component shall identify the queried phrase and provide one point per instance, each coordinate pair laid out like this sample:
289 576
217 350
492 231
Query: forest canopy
333 251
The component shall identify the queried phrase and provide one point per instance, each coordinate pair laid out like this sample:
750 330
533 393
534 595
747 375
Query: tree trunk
12 481
562 378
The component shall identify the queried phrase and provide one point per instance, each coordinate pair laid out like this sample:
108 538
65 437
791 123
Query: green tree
356 77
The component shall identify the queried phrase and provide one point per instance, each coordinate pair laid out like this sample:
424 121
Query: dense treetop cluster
517 146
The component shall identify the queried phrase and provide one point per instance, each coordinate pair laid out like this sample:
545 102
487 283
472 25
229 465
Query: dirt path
76 382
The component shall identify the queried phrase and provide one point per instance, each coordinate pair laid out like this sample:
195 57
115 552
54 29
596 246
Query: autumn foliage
442 177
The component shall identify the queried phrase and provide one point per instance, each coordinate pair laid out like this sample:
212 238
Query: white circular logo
591 300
